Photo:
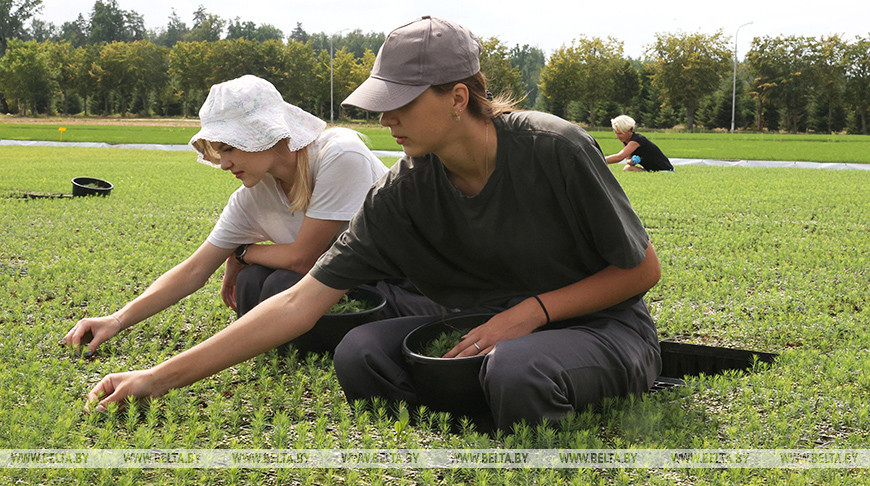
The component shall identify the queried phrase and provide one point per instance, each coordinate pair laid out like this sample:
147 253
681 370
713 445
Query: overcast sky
547 24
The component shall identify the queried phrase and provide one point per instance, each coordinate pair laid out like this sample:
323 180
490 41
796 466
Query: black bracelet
543 308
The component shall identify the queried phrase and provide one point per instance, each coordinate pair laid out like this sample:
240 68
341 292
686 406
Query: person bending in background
638 152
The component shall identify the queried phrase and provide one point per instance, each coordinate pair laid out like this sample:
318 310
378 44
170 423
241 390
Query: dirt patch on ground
145 122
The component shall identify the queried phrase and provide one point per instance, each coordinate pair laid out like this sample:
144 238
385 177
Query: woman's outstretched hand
99 329
117 387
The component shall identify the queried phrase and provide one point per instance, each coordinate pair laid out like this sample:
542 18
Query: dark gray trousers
256 283
547 374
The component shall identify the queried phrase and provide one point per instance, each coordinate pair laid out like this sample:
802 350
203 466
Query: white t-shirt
342 168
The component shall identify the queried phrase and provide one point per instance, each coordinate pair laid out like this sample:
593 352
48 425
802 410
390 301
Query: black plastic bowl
446 384
90 186
331 328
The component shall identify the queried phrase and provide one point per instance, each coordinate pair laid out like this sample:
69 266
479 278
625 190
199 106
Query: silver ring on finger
476 346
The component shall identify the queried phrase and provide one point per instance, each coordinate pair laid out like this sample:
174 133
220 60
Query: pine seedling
401 424
443 420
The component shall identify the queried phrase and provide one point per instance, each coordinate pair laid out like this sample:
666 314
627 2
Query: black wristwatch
240 253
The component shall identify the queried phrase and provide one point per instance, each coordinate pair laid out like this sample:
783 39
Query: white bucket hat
249 114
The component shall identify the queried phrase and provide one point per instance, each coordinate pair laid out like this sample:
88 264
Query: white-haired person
513 212
301 184
638 153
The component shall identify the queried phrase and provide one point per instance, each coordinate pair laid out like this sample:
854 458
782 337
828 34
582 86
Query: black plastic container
446 384
680 359
90 186
452 384
330 329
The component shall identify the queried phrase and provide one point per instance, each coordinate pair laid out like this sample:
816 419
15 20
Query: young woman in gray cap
301 184
513 212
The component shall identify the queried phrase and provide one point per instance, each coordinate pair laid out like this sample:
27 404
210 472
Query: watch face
240 253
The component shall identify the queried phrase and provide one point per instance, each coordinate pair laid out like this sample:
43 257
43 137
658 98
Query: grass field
766 259
740 146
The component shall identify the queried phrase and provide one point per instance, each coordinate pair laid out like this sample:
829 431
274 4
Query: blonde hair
209 153
300 191
480 101
623 124
301 188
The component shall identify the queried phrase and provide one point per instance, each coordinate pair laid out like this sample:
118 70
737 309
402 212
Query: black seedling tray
681 359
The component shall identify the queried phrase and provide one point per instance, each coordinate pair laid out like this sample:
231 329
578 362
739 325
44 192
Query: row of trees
147 79
144 78
113 66
107 22
786 83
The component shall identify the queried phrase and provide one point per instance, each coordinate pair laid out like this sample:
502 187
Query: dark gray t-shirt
550 215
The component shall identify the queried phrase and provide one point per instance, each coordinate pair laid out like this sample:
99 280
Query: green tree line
109 64
789 83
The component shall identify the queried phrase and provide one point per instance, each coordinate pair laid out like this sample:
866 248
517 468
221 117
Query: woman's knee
252 275
531 391
249 286
278 281
502 375
371 345
557 376
350 352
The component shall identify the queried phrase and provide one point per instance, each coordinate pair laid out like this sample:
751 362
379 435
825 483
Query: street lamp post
734 83
331 114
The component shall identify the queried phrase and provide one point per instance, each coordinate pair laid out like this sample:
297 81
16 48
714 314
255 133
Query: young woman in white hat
301 184
513 212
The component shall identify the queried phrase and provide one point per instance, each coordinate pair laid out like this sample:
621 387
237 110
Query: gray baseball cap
428 51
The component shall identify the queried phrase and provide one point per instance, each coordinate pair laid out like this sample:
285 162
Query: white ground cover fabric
389 153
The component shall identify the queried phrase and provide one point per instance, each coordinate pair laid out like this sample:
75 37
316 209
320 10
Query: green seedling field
753 146
122 133
765 259
740 146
